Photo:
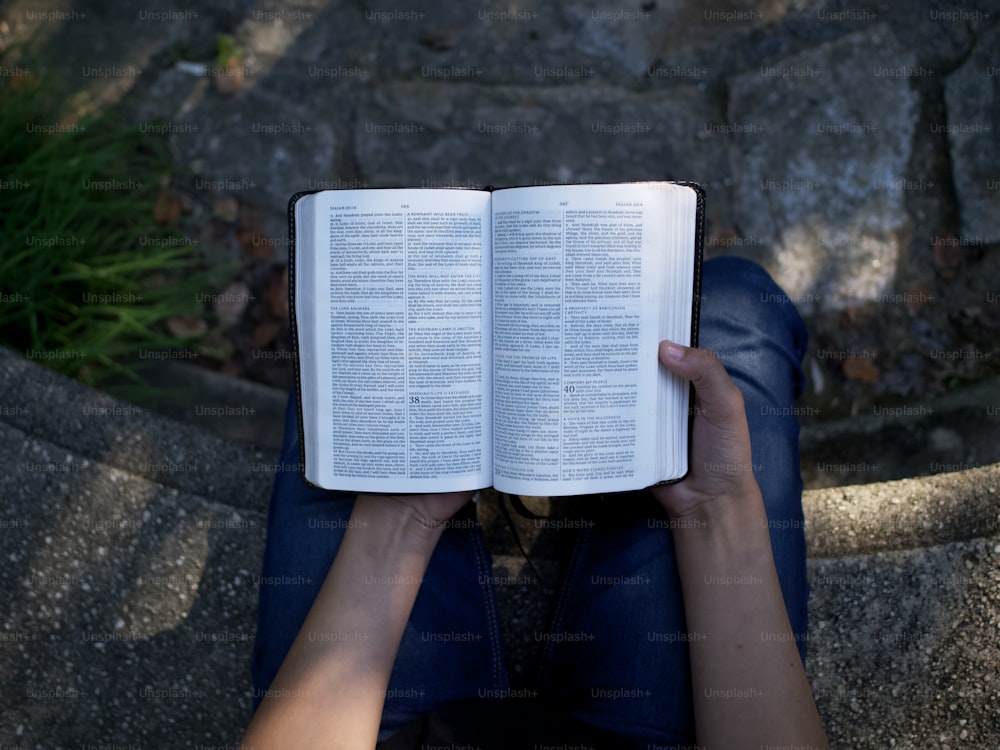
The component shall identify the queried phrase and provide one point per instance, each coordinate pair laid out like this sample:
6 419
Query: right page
587 279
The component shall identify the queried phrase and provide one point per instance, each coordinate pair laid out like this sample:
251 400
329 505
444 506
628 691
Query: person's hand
721 463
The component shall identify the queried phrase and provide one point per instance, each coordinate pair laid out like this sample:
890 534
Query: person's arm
749 687
330 690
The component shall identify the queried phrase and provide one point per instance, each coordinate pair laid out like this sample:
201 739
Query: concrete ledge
903 646
905 514
123 436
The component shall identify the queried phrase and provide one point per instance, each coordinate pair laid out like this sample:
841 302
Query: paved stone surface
972 98
885 256
130 547
903 646
818 171
131 585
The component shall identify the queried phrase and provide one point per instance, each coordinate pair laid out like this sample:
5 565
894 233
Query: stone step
131 591
955 432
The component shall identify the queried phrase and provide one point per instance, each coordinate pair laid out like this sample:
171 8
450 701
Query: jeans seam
486 589
558 614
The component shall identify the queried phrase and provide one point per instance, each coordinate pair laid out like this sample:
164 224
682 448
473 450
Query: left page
392 305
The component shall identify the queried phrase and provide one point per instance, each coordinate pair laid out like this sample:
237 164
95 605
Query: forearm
749 687
330 690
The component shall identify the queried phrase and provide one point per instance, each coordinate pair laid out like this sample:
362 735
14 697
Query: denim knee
740 289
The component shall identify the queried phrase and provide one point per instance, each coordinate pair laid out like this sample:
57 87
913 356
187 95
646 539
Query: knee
740 289
739 280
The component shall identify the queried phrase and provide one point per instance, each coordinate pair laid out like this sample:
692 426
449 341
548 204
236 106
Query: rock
255 145
972 97
459 134
815 166
230 303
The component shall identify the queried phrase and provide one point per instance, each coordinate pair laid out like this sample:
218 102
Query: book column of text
567 291
408 401
444 346
601 320
527 341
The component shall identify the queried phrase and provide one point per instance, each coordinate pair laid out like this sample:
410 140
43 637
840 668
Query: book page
402 341
578 279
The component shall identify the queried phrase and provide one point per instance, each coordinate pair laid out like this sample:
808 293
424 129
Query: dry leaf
861 370
851 317
216 346
989 315
947 256
255 243
917 295
226 207
167 208
265 333
441 38
186 327
231 302
229 80
277 296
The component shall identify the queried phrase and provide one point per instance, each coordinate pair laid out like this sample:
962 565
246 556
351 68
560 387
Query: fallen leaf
861 370
167 208
441 38
851 317
277 296
226 207
217 347
229 80
231 302
917 295
724 237
265 333
947 256
989 315
186 327
255 243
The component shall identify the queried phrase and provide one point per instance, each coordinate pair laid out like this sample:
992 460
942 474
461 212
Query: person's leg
451 646
617 651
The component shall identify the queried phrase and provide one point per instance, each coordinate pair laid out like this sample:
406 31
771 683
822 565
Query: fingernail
675 352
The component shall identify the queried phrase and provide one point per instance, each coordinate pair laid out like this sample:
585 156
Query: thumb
718 398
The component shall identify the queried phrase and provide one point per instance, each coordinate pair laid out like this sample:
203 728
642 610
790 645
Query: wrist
736 516
726 538
390 516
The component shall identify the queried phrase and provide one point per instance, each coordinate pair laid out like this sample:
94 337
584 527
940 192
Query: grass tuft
88 278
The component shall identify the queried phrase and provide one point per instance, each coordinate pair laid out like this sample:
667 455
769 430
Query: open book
454 339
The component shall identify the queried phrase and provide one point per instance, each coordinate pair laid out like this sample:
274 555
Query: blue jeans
615 654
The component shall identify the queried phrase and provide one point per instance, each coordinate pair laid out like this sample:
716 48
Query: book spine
699 248
293 328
